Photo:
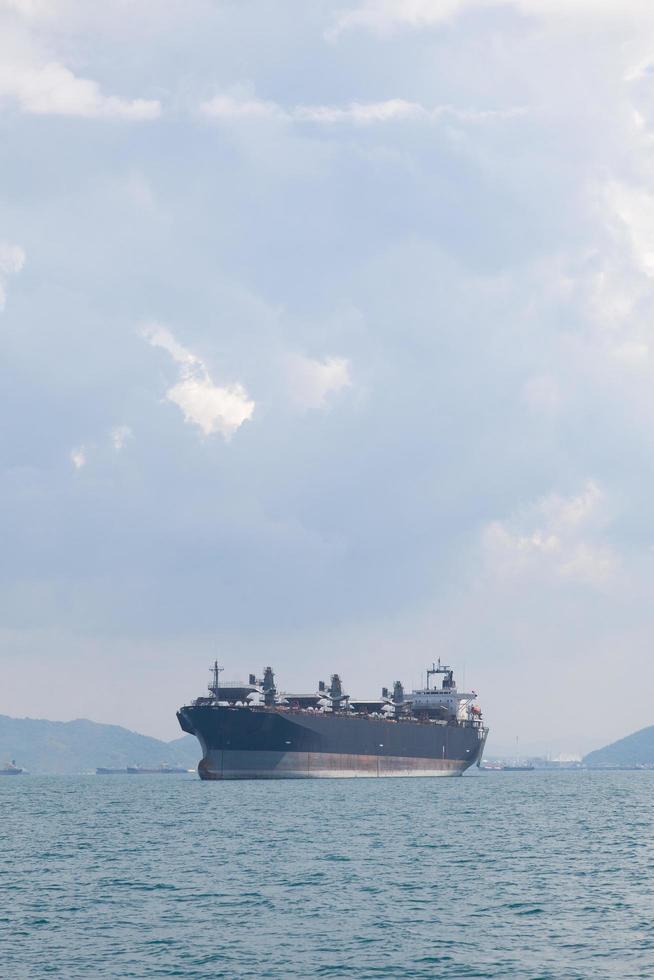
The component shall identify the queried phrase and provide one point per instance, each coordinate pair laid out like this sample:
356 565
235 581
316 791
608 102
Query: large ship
253 731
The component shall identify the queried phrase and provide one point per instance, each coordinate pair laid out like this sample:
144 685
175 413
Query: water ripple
539 876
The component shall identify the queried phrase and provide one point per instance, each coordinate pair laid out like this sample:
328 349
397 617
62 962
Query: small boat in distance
141 770
11 769
517 768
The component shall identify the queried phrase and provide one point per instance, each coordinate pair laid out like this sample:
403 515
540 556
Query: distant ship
252 731
11 769
158 770
139 770
508 767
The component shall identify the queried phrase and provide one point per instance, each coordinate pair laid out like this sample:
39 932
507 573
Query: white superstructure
445 700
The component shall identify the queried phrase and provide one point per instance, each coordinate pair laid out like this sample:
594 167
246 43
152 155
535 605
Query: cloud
34 78
235 107
634 208
311 381
160 336
120 435
635 73
230 108
27 8
213 408
360 113
385 16
52 89
554 538
632 354
12 260
78 457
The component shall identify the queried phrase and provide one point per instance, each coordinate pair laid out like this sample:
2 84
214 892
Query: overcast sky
326 342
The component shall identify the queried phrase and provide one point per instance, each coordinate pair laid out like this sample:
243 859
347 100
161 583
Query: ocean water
530 875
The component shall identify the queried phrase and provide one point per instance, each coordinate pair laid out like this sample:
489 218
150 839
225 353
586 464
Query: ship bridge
444 701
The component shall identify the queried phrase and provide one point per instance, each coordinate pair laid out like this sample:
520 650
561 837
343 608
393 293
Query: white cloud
247 107
310 381
633 354
12 260
34 79
230 108
361 113
213 408
120 435
78 457
634 208
554 538
616 287
160 336
385 16
27 8
635 73
52 89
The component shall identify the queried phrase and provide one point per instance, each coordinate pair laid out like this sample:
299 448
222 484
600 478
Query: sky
326 343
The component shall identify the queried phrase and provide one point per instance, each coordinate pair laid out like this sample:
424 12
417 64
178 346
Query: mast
448 680
268 687
216 670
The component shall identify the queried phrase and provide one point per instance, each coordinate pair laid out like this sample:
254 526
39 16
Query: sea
546 875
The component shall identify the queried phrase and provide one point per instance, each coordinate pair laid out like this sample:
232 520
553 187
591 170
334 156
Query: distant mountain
634 750
80 746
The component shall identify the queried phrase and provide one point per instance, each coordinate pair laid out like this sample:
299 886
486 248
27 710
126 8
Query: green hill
42 746
633 750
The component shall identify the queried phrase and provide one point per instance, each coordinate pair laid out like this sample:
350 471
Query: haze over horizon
326 342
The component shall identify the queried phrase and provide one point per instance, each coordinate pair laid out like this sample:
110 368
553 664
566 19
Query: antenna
215 673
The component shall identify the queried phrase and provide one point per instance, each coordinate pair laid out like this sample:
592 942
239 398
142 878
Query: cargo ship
162 770
254 731
140 770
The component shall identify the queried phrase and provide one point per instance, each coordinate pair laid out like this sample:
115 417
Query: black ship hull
275 743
